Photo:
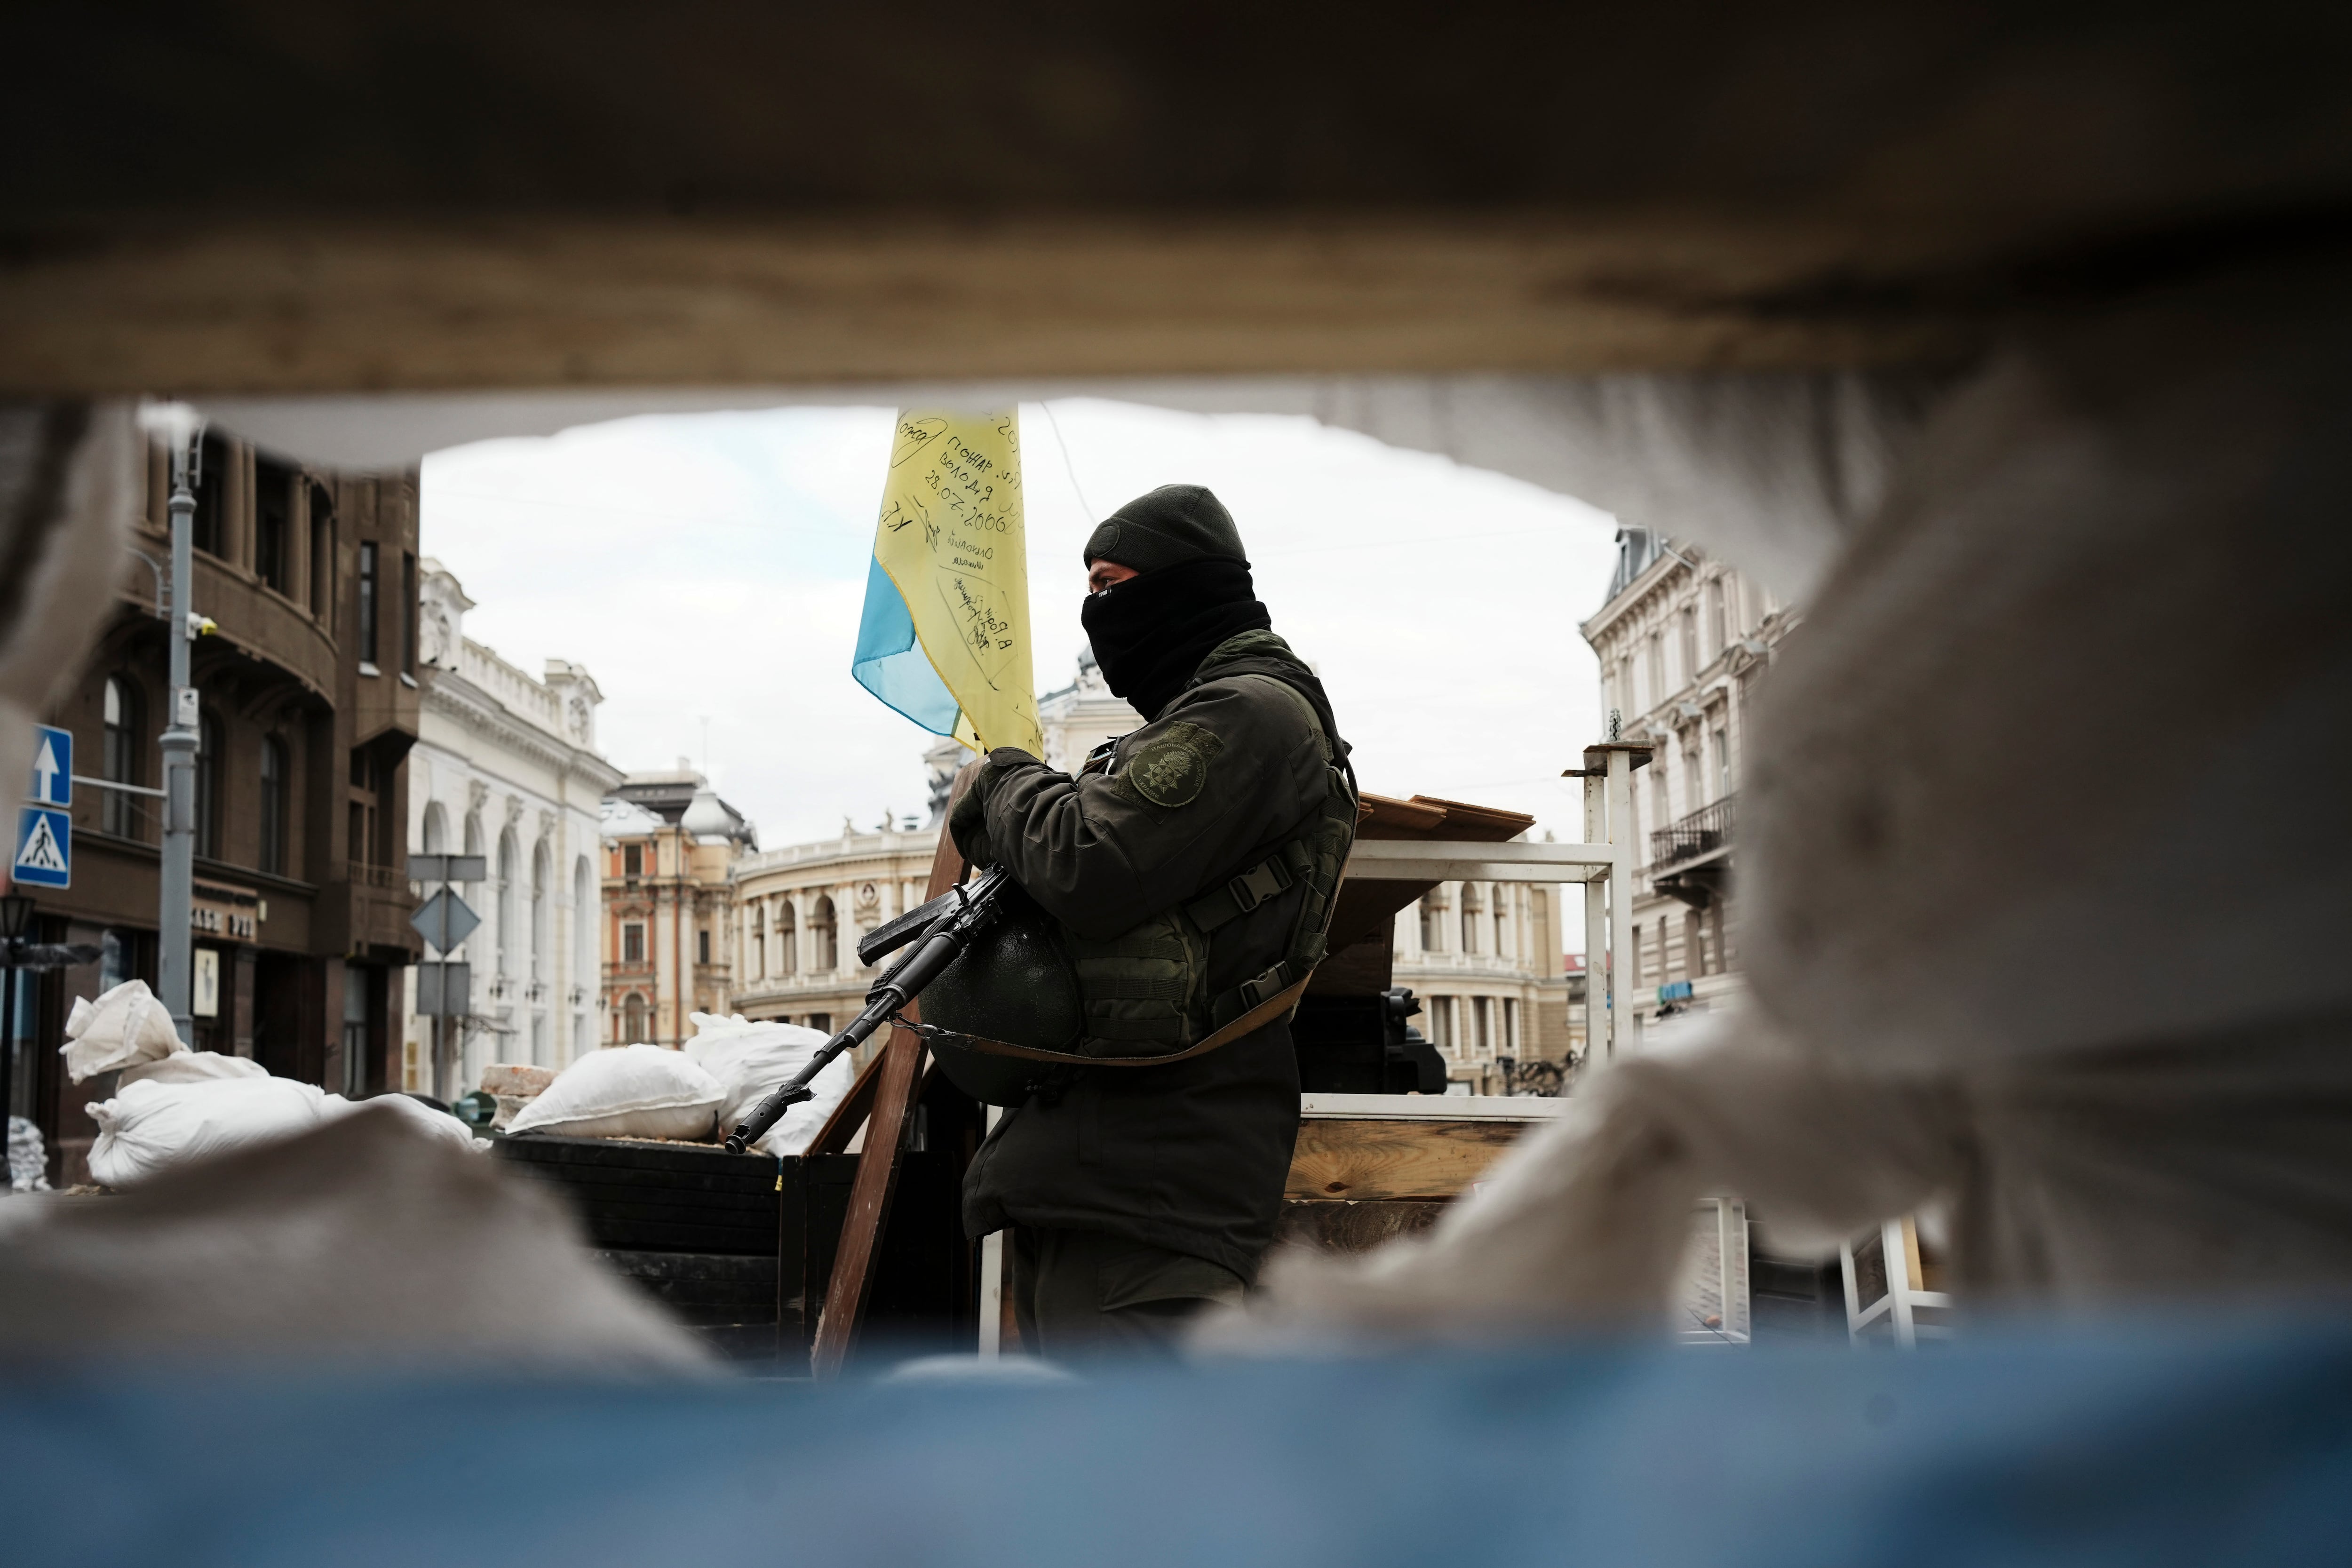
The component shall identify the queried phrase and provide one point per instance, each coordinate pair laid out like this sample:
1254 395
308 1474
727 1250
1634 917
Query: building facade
1497 998
799 911
308 696
506 767
670 846
1682 641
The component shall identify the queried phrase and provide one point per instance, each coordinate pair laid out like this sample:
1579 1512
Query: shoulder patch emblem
1172 768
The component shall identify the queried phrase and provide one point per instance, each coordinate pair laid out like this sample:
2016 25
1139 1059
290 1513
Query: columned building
1682 641
799 911
506 767
670 846
1484 959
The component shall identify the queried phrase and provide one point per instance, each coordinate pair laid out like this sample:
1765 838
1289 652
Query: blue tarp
2153 1443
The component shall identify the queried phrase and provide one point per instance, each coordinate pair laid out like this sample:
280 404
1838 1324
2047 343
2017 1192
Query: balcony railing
1702 832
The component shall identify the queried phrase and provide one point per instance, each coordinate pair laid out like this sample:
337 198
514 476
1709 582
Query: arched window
756 959
509 918
209 775
1503 922
436 830
1474 913
788 941
1432 924
274 795
633 1020
824 931
125 745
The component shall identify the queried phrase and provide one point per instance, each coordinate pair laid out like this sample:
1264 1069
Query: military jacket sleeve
1231 768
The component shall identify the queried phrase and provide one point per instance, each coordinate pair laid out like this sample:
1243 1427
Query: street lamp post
175 892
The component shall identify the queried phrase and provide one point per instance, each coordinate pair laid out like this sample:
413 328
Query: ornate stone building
671 847
506 767
1682 640
800 910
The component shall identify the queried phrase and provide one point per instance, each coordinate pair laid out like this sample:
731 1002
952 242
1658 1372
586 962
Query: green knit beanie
1173 524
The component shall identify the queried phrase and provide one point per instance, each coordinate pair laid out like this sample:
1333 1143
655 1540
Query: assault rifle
937 931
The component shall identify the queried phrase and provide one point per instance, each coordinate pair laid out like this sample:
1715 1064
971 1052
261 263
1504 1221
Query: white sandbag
750 1059
27 1160
190 1067
149 1126
626 1091
125 1025
413 1111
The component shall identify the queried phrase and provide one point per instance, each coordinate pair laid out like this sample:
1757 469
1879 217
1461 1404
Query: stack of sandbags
27 1160
752 1059
158 1122
514 1085
172 1104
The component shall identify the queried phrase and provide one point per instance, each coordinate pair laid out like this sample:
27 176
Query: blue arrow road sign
44 847
52 766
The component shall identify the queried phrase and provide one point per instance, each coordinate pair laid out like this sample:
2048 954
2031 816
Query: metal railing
1702 832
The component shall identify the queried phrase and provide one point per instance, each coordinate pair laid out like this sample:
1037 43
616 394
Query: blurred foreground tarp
366 1239
2153 1443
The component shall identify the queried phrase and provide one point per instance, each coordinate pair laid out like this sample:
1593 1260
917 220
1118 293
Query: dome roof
707 816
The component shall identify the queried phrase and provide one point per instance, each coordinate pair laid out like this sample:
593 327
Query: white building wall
504 757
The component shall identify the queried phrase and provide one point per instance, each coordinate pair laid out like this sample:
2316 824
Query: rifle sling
1257 1017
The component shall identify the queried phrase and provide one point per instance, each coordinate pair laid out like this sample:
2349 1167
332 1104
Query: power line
1068 467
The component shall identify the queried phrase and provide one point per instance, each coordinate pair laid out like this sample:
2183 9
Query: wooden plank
833 1137
1363 1159
877 1163
549 299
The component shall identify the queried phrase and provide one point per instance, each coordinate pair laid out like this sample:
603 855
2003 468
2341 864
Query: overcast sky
712 566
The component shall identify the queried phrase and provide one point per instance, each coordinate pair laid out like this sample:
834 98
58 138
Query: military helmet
1013 984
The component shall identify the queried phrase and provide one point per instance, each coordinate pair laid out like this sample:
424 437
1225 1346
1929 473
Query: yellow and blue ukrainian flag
945 636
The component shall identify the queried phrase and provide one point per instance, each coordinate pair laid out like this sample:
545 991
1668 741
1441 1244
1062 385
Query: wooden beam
418 304
833 1137
895 1071
1418 1159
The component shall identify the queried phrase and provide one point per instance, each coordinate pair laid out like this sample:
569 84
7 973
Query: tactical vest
1006 1015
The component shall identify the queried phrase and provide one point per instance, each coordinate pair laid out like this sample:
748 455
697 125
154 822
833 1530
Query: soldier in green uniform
1188 868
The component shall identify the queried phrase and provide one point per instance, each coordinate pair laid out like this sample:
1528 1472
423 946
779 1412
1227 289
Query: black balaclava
1151 632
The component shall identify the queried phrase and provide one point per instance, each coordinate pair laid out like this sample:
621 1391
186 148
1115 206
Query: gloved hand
968 818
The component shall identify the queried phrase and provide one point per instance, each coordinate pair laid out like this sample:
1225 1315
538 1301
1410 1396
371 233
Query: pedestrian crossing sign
44 848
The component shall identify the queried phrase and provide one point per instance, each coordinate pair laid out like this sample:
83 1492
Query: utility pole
175 896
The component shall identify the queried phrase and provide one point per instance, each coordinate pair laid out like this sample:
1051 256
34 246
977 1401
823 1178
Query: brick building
309 706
